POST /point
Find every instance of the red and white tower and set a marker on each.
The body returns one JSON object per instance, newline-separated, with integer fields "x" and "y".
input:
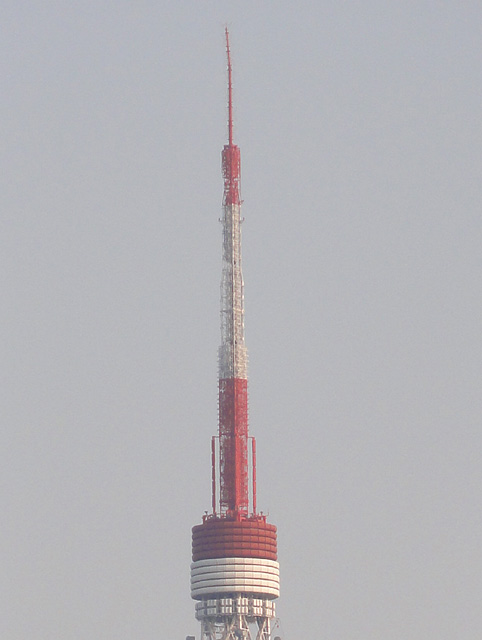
{"x": 234, "y": 570}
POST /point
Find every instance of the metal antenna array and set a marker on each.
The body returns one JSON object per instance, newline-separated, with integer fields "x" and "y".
{"x": 234, "y": 570}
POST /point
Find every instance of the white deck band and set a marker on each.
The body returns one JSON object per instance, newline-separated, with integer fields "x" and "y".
{"x": 255, "y": 563}
{"x": 235, "y": 575}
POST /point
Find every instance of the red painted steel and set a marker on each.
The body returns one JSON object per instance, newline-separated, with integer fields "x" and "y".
{"x": 253, "y": 445}
{"x": 233, "y": 441}
{"x": 231, "y": 163}
{"x": 213, "y": 472}
{"x": 258, "y": 545}
{"x": 231, "y": 156}
{"x": 222, "y": 538}
{"x": 217, "y": 526}
{"x": 234, "y": 553}
{"x": 201, "y": 541}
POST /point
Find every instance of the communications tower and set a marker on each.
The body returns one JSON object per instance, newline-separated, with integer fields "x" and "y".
{"x": 234, "y": 570}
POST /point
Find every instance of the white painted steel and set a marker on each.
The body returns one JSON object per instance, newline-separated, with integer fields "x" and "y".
{"x": 239, "y": 580}
{"x": 251, "y": 607}
{"x": 266, "y": 590}
{"x": 247, "y": 562}
{"x": 240, "y": 586}
{"x": 234, "y": 575}
{"x": 260, "y": 588}
{"x": 247, "y": 575}
{"x": 234, "y": 569}
{"x": 233, "y": 359}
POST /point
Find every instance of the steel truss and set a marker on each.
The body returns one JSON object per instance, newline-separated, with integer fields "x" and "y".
{"x": 235, "y": 627}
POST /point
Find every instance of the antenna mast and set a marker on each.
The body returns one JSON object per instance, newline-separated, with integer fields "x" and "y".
{"x": 234, "y": 573}
{"x": 230, "y": 91}
{"x": 231, "y": 156}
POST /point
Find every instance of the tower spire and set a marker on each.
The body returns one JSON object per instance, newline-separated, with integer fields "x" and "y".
{"x": 230, "y": 91}
{"x": 231, "y": 154}
{"x": 233, "y": 377}
{"x": 235, "y": 572}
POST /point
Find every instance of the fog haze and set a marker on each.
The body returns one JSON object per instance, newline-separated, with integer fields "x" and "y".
{"x": 359, "y": 125}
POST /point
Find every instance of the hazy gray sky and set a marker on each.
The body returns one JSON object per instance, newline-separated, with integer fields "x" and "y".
{"x": 360, "y": 131}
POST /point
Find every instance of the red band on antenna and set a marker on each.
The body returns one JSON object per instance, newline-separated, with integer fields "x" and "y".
{"x": 231, "y": 157}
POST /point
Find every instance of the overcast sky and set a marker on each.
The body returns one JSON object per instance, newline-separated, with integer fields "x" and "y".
{"x": 359, "y": 124}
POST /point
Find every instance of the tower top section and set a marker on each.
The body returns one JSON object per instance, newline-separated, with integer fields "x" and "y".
{"x": 231, "y": 156}
{"x": 234, "y": 570}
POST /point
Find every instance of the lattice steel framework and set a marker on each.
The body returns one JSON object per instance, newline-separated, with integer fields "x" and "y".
{"x": 234, "y": 573}
{"x": 233, "y": 373}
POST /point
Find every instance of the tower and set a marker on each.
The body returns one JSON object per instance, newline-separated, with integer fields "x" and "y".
{"x": 234, "y": 570}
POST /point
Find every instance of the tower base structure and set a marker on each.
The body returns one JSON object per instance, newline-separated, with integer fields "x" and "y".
{"x": 239, "y": 617}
